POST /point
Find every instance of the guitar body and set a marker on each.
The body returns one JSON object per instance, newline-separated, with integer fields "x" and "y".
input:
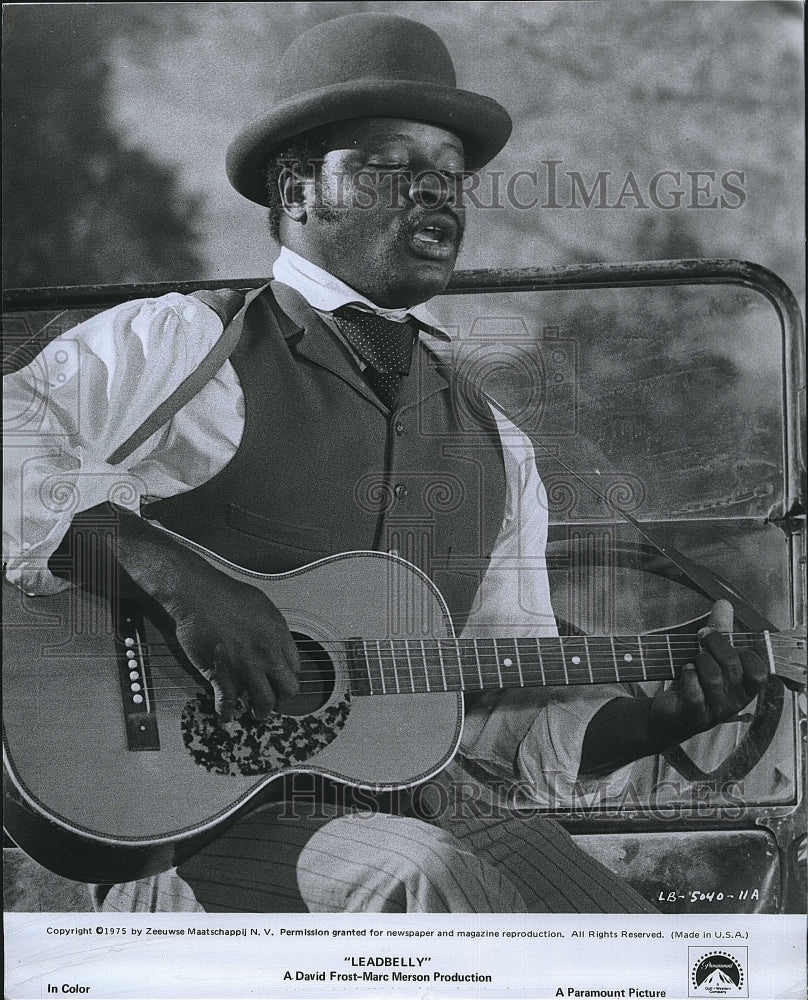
{"x": 97, "y": 792}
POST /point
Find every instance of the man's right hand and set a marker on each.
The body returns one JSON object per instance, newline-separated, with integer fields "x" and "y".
{"x": 238, "y": 640}
{"x": 230, "y": 631}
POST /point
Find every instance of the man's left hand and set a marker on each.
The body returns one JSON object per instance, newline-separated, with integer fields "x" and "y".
{"x": 721, "y": 682}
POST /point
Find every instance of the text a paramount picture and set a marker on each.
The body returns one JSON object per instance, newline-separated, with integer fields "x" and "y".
{"x": 404, "y": 515}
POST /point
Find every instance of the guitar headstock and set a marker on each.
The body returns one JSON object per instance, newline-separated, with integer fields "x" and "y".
{"x": 789, "y": 650}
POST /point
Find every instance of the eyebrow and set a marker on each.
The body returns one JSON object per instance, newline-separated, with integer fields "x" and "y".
{"x": 446, "y": 144}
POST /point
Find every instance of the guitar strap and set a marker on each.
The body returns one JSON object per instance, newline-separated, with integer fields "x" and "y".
{"x": 770, "y": 700}
{"x": 706, "y": 581}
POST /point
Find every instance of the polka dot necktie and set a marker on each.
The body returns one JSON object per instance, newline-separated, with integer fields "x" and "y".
{"x": 384, "y": 345}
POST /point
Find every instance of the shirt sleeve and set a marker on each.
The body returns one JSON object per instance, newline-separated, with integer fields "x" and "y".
{"x": 549, "y": 755}
{"x": 68, "y": 410}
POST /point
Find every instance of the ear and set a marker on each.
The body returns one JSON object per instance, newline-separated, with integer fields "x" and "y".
{"x": 295, "y": 194}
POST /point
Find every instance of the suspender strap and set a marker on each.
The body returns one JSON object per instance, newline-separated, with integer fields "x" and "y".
{"x": 227, "y": 303}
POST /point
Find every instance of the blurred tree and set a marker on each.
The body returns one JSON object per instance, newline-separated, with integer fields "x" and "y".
{"x": 80, "y": 206}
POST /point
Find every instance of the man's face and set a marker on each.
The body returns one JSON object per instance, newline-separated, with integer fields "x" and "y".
{"x": 386, "y": 216}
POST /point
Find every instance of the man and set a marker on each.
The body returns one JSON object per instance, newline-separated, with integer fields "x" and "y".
{"x": 329, "y": 428}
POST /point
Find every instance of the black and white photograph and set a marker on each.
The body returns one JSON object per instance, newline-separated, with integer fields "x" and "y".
{"x": 404, "y": 517}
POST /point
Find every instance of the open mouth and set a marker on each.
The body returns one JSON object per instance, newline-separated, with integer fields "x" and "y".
{"x": 434, "y": 238}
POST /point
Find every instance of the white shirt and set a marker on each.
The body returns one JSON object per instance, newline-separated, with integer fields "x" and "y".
{"x": 92, "y": 387}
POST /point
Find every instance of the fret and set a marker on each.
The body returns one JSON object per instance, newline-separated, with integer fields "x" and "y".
{"x": 409, "y": 666}
{"x": 601, "y": 659}
{"x": 588, "y": 659}
{"x": 564, "y": 659}
{"x": 554, "y": 665}
{"x": 670, "y": 655}
{"x": 381, "y": 665}
{"x": 541, "y": 661}
{"x": 442, "y": 671}
{"x": 395, "y": 666}
{"x": 453, "y": 668}
{"x": 479, "y": 667}
{"x": 518, "y": 663}
{"x": 642, "y": 659}
{"x": 496, "y": 660}
{"x": 614, "y": 659}
{"x": 577, "y": 663}
{"x": 767, "y": 638}
{"x": 630, "y": 669}
{"x": 423, "y": 660}
{"x": 367, "y": 664}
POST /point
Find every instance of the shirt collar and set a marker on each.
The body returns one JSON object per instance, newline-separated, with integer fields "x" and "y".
{"x": 325, "y": 293}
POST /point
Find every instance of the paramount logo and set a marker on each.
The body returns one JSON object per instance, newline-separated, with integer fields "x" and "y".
{"x": 718, "y": 972}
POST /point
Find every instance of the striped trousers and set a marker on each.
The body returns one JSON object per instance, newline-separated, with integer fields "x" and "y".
{"x": 317, "y": 859}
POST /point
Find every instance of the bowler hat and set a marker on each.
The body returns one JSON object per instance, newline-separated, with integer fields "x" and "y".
{"x": 365, "y": 66}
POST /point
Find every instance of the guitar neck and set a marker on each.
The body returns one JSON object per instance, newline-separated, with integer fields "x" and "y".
{"x": 405, "y": 666}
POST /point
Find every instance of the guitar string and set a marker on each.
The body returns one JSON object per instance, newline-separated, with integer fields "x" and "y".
{"x": 527, "y": 658}
{"x": 591, "y": 658}
{"x": 647, "y": 642}
{"x": 418, "y": 683}
{"x": 548, "y": 656}
{"x": 631, "y": 673}
{"x": 603, "y": 658}
{"x": 178, "y": 696}
{"x": 551, "y": 663}
{"x": 170, "y": 697}
{"x": 603, "y": 674}
{"x": 509, "y": 646}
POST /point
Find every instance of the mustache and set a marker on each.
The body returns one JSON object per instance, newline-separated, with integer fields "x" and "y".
{"x": 447, "y": 220}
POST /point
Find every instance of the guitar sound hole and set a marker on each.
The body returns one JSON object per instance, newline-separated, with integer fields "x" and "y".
{"x": 316, "y": 679}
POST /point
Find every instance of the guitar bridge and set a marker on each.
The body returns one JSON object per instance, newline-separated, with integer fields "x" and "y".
{"x": 134, "y": 675}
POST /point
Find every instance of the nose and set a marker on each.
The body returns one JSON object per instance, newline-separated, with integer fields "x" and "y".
{"x": 432, "y": 189}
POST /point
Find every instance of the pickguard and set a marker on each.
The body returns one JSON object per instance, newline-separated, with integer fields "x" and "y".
{"x": 248, "y": 746}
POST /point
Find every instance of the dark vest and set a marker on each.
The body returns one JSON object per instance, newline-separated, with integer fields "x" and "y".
{"x": 323, "y": 467}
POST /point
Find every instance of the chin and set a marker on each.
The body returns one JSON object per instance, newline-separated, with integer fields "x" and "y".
{"x": 421, "y": 283}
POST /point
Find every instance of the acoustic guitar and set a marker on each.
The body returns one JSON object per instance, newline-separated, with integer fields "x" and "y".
{"x": 115, "y": 766}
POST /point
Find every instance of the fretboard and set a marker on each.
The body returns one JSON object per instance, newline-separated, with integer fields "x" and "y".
{"x": 406, "y": 666}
